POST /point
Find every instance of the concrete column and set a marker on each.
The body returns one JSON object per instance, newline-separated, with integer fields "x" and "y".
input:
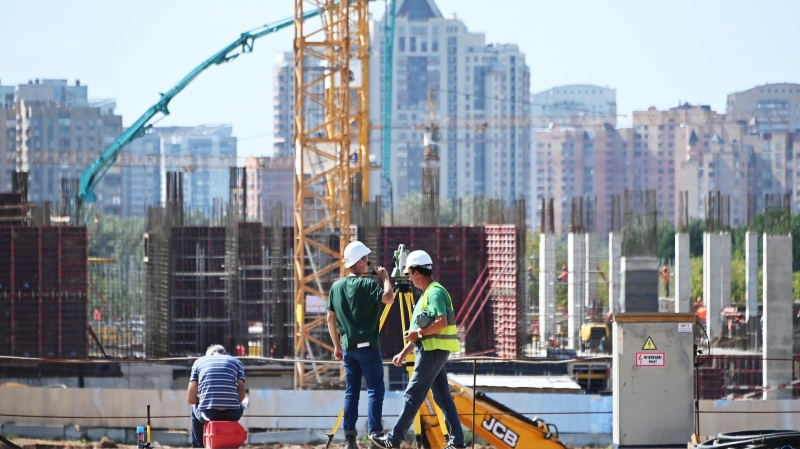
{"x": 547, "y": 286}
{"x": 614, "y": 259}
{"x": 751, "y": 288}
{"x": 683, "y": 274}
{"x": 712, "y": 285}
{"x": 751, "y": 275}
{"x": 777, "y": 285}
{"x": 590, "y": 289}
{"x": 639, "y": 284}
{"x": 576, "y": 258}
{"x": 725, "y": 269}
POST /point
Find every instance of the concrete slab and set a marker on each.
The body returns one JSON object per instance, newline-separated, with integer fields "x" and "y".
{"x": 778, "y": 327}
{"x": 614, "y": 260}
{"x": 576, "y": 258}
{"x": 639, "y": 284}
{"x": 683, "y": 274}
{"x": 590, "y": 263}
{"x": 547, "y": 287}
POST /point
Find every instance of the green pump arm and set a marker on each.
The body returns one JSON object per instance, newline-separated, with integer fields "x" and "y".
{"x": 94, "y": 174}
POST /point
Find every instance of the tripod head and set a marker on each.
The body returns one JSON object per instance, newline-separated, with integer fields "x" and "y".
{"x": 400, "y": 265}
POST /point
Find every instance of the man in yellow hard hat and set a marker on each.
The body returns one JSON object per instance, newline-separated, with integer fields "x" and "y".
{"x": 433, "y": 334}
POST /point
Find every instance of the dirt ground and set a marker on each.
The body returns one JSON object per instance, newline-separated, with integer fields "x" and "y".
{"x": 49, "y": 444}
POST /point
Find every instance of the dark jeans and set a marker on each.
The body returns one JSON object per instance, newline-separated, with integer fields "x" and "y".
{"x": 201, "y": 417}
{"x": 429, "y": 374}
{"x": 366, "y": 362}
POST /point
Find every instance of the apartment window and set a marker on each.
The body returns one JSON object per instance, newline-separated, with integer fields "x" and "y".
{"x": 401, "y": 44}
{"x": 423, "y": 46}
{"x": 435, "y": 45}
{"x": 412, "y": 44}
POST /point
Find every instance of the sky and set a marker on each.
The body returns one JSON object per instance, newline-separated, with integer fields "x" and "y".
{"x": 653, "y": 53}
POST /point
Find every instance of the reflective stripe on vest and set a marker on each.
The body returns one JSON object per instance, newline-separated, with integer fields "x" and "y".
{"x": 447, "y": 338}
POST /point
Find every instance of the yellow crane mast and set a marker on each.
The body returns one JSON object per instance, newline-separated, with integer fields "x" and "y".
{"x": 331, "y": 147}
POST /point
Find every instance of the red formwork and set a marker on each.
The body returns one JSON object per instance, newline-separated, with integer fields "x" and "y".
{"x": 43, "y": 297}
{"x": 459, "y": 254}
{"x": 502, "y": 241}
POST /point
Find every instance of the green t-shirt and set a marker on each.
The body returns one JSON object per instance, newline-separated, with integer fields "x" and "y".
{"x": 356, "y": 302}
{"x": 438, "y": 303}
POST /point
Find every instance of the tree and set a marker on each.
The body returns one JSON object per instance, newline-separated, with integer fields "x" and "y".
{"x": 696, "y": 230}
{"x": 666, "y": 240}
{"x": 697, "y": 276}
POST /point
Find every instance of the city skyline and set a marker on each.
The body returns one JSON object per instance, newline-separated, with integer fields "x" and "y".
{"x": 618, "y": 46}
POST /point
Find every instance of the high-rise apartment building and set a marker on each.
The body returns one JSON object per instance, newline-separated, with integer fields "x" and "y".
{"x": 775, "y": 107}
{"x": 574, "y": 105}
{"x": 202, "y": 182}
{"x": 473, "y": 82}
{"x": 141, "y": 184}
{"x": 591, "y": 162}
{"x": 51, "y": 130}
{"x": 283, "y": 106}
{"x": 270, "y": 180}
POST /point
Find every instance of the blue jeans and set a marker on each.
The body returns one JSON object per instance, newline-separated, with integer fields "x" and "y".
{"x": 366, "y": 362}
{"x": 429, "y": 374}
{"x": 201, "y": 417}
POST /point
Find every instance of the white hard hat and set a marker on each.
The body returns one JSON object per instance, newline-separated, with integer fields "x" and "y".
{"x": 353, "y": 252}
{"x": 418, "y": 258}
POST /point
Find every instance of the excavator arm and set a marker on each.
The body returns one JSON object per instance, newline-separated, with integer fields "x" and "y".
{"x": 500, "y": 426}
{"x": 92, "y": 176}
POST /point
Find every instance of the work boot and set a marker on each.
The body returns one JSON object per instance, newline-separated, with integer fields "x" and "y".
{"x": 350, "y": 442}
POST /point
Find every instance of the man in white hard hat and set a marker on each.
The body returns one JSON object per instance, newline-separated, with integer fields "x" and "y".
{"x": 433, "y": 334}
{"x": 353, "y": 323}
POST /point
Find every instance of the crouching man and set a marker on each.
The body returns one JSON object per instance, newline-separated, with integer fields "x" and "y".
{"x": 216, "y": 390}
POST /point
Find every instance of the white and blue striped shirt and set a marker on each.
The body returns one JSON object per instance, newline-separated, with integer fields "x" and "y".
{"x": 217, "y": 378}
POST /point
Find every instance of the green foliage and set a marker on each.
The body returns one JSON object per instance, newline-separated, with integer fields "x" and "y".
{"x": 666, "y": 240}
{"x": 697, "y": 277}
{"x": 602, "y": 286}
{"x": 696, "y": 229}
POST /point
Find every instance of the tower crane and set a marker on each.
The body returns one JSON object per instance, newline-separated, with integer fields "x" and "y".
{"x": 331, "y": 70}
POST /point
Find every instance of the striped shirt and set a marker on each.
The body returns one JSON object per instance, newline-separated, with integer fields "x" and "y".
{"x": 217, "y": 378}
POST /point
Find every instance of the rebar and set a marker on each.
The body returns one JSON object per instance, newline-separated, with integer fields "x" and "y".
{"x": 640, "y": 217}
{"x": 778, "y": 214}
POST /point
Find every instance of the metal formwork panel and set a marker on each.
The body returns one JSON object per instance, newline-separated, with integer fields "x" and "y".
{"x": 43, "y": 291}
{"x": 502, "y": 260}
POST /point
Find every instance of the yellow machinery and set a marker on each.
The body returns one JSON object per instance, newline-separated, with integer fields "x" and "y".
{"x": 595, "y": 334}
{"x": 500, "y": 426}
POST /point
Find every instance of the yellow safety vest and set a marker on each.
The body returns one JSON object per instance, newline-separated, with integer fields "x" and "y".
{"x": 447, "y": 338}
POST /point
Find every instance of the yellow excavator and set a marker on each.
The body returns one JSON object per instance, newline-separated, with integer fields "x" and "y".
{"x": 498, "y": 425}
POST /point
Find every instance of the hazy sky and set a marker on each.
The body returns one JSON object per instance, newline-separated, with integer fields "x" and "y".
{"x": 653, "y": 53}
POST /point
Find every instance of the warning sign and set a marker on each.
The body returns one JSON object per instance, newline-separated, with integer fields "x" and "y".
{"x": 654, "y": 359}
{"x": 649, "y": 345}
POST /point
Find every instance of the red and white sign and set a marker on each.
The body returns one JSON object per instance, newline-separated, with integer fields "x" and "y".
{"x": 653, "y": 359}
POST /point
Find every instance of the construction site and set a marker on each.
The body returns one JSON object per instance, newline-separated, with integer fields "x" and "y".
{"x": 566, "y": 341}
